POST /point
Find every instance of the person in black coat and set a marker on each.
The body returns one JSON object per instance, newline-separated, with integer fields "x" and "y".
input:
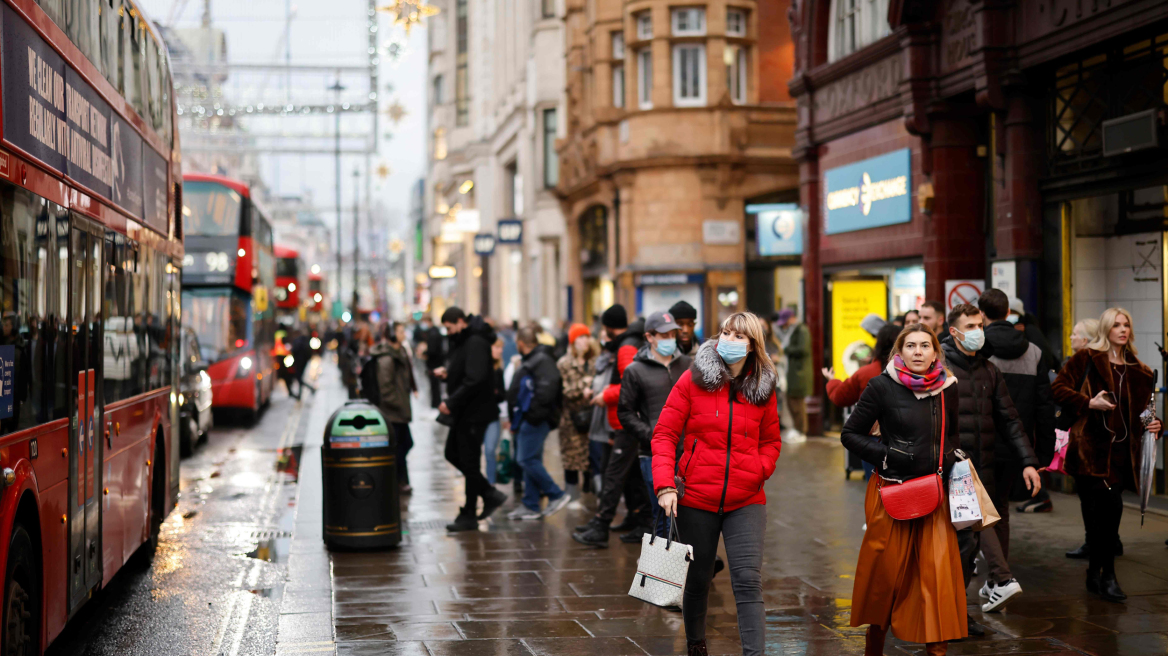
{"x": 533, "y": 401}
{"x": 985, "y": 412}
{"x": 470, "y": 404}
{"x": 435, "y": 358}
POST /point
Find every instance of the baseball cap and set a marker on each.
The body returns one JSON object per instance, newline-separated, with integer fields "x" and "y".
{"x": 660, "y": 322}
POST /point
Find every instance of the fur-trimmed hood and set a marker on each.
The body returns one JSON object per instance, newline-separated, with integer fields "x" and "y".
{"x": 710, "y": 373}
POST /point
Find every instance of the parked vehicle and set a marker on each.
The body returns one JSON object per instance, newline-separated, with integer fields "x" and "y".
{"x": 194, "y": 396}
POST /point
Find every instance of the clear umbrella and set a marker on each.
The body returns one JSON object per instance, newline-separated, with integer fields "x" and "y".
{"x": 1148, "y": 451}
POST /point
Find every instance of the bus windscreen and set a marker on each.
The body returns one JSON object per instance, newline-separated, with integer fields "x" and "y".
{"x": 220, "y": 318}
{"x": 211, "y": 210}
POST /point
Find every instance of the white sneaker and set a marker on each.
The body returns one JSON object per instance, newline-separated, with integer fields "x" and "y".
{"x": 522, "y": 512}
{"x": 1001, "y": 594}
{"x": 556, "y": 506}
{"x": 986, "y": 590}
{"x": 794, "y": 437}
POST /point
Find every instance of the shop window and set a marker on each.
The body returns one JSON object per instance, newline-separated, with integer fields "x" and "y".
{"x": 690, "y": 21}
{"x": 735, "y": 60}
{"x": 645, "y": 78}
{"x": 855, "y": 25}
{"x": 644, "y": 26}
{"x": 735, "y": 22}
{"x": 689, "y": 75}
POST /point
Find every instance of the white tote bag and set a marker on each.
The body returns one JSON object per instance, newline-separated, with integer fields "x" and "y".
{"x": 661, "y": 569}
{"x": 964, "y": 509}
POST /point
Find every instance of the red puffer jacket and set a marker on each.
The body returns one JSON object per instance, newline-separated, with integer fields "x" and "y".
{"x": 730, "y": 448}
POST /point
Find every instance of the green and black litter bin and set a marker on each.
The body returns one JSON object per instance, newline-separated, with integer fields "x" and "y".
{"x": 361, "y": 505}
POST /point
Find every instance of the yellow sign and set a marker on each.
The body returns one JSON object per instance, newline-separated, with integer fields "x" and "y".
{"x": 260, "y": 294}
{"x": 851, "y": 301}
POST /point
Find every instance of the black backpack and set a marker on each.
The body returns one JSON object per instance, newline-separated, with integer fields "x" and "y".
{"x": 370, "y": 388}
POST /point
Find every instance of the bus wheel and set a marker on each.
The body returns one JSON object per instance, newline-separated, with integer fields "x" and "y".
{"x": 22, "y": 628}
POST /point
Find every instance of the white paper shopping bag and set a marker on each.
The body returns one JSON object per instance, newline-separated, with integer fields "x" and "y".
{"x": 964, "y": 510}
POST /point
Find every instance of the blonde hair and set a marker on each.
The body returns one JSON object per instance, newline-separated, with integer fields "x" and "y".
{"x": 750, "y": 325}
{"x": 498, "y": 362}
{"x": 1100, "y": 342}
{"x": 1088, "y": 328}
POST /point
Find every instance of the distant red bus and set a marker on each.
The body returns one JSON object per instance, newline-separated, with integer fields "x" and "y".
{"x": 316, "y": 292}
{"x": 291, "y": 284}
{"x": 228, "y": 283}
{"x": 90, "y": 265}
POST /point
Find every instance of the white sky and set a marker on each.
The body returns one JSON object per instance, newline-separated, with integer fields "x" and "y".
{"x": 325, "y": 32}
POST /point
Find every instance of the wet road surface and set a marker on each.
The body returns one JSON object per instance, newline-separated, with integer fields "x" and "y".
{"x": 526, "y": 588}
{"x": 215, "y": 585}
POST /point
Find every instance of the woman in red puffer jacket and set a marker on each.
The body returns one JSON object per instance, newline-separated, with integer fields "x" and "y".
{"x": 724, "y": 408}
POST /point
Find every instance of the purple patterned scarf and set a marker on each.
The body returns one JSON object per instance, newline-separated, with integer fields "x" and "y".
{"x": 930, "y": 381}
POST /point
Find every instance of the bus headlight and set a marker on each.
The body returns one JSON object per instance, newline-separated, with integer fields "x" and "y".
{"x": 245, "y": 363}
{"x": 317, "y": 297}
{"x": 314, "y": 343}
{"x": 289, "y": 361}
{"x": 182, "y": 400}
{"x": 291, "y": 286}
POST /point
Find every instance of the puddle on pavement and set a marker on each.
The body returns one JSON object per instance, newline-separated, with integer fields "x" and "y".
{"x": 273, "y": 542}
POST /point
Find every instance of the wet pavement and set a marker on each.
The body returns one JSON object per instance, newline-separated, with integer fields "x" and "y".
{"x": 216, "y": 583}
{"x": 526, "y": 588}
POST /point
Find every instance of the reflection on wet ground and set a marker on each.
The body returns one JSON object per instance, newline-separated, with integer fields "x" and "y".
{"x": 527, "y": 588}
{"x": 216, "y": 583}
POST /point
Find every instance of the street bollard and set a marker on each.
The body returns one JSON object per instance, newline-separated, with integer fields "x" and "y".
{"x": 361, "y": 504}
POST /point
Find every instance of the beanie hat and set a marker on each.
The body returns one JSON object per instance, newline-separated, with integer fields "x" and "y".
{"x": 615, "y": 317}
{"x": 577, "y": 330}
{"x": 683, "y": 310}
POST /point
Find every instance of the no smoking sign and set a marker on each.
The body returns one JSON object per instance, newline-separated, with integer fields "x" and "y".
{"x": 962, "y": 291}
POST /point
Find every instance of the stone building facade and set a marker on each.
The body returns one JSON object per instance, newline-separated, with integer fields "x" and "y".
{"x": 1024, "y": 140}
{"x": 496, "y": 92}
{"x": 670, "y": 132}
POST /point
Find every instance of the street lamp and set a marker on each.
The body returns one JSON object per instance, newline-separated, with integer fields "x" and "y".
{"x": 356, "y": 237}
{"x": 338, "y": 88}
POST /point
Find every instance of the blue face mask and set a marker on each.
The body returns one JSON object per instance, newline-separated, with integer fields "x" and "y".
{"x": 731, "y": 352}
{"x": 666, "y": 347}
{"x": 974, "y": 340}
{"x": 1013, "y": 318}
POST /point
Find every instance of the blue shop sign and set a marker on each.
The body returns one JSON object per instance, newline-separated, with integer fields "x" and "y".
{"x": 780, "y": 228}
{"x": 484, "y": 243}
{"x": 868, "y": 194}
{"x": 510, "y": 231}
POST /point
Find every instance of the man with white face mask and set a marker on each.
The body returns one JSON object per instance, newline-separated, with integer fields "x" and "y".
{"x": 985, "y": 411}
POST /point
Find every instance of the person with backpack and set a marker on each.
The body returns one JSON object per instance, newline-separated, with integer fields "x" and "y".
{"x": 387, "y": 380}
{"x": 534, "y": 403}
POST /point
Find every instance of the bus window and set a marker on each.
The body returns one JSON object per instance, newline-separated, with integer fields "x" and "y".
{"x": 121, "y": 344}
{"x": 153, "y": 83}
{"x": 33, "y": 284}
{"x": 110, "y": 38}
{"x": 210, "y": 209}
{"x": 131, "y": 59}
{"x": 219, "y": 318}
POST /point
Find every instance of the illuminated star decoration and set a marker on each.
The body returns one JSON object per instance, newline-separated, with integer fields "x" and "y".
{"x": 395, "y": 112}
{"x": 383, "y": 171}
{"x": 394, "y": 49}
{"x": 408, "y": 13}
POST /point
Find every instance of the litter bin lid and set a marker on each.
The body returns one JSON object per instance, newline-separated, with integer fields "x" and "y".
{"x": 359, "y": 426}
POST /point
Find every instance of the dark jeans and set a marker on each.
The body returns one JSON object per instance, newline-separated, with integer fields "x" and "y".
{"x": 996, "y": 547}
{"x": 529, "y": 439}
{"x": 404, "y": 442}
{"x": 1102, "y": 510}
{"x": 464, "y": 450}
{"x": 743, "y": 531}
{"x": 660, "y": 521}
{"x": 622, "y": 474}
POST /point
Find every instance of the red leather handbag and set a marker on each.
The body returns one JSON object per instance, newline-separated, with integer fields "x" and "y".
{"x": 919, "y": 496}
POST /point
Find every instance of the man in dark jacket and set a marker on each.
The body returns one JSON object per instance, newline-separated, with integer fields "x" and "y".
{"x": 645, "y": 387}
{"x": 471, "y": 405}
{"x": 395, "y": 383}
{"x": 1028, "y": 379}
{"x": 622, "y": 473}
{"x": 534, "y": 403}
{"x": 985, "y": 413}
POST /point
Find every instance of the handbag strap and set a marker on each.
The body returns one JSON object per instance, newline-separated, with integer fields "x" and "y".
{"x": 941, "y": 457}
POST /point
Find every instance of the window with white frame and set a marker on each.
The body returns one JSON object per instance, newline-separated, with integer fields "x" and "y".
{"x": 645, "y": 78}
{"x": 644, "y": 26}
{"x": 735, "y": 59}
{"x": 689, "y": 21}
{"x": 689, "y": 75}
{"x": 854, "y": 25}
{"x": 618, "y": 85}
{"x": 735, "y": 22}
{"x": 618, "y": 45}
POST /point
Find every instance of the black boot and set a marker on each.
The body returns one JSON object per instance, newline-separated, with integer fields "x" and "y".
{"x": 595, "y": 535}
{"x": 975, "y": 630}
{"x": 1109, "y": 589}
{"x": 491, "y": 503}
{"x": 1092, "y": 582}
{"x": 1082, "y": 553}
{"x": 630, "y": 522}
{"x": 697, "y": 648}
{"x": 634, "y": 536}
{"x": 464, "y": 522}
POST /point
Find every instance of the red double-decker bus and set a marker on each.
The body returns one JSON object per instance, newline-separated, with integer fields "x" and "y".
{"x": 90, "y": 260}
{"x": 291, "y": 286}
{"x": 316, "y": 292}
{"x": 228, "y": 280}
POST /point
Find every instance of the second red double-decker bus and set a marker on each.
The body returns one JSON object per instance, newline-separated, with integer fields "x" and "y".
{"x": 90, "y": 256}
{"x": 291, "y": 286}
{"x": 228, "y": 277}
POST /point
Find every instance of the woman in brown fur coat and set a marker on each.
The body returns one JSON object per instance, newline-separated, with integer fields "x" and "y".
{"x": 1108, "y": 388}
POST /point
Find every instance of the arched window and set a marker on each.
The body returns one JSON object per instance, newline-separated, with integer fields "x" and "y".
{"x": 855, "y": 24}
